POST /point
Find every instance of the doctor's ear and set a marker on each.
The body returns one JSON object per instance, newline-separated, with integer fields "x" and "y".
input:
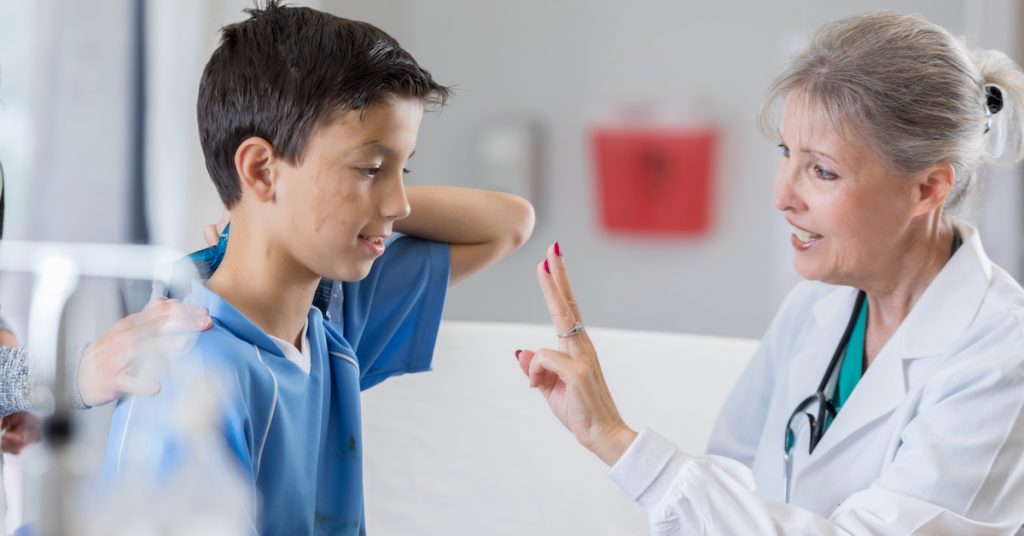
{"x": 254, "y": 163}
{"x": 932, "y": 187}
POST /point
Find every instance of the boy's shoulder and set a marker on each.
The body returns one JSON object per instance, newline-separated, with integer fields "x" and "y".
{"x": 220, "y": 345}
{"x": 233, "y": 341}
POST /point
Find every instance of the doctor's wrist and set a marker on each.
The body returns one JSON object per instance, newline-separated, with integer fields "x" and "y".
{"x": 611, "y": 445}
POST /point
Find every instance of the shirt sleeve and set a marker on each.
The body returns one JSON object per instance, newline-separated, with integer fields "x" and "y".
{"x": 392, "y": 316}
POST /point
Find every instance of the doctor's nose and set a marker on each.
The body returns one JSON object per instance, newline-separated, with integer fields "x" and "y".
{"x": 785, "y": 195}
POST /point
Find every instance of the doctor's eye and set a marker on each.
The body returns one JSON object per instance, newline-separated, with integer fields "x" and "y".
{"x": 785, "y": 150}
{"x": 406, "y": 171}
{"x": 824, "y": 174}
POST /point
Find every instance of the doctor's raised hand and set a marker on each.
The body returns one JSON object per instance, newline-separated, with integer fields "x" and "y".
{"x": 887, "y": 395}
{"x": 570, "y": 378}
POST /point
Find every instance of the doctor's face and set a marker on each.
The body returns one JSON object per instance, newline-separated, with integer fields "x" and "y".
{"x": 847, "y": 212}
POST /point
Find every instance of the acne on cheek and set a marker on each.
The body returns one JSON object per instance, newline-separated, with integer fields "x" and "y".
{"x": 331, "y": 207}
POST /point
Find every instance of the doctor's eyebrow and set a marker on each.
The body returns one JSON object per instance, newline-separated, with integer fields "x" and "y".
{"x": 819, "y": 153}
{"x": 806, "y": 150}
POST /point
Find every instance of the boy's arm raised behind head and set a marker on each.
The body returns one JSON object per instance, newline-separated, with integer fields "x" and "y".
{"x": 480, "y": 226}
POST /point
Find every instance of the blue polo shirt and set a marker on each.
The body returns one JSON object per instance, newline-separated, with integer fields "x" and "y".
{"x": 296, "y": 436}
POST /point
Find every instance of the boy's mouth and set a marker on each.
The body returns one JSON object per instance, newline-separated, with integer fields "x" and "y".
{"x": 374, "y": 243}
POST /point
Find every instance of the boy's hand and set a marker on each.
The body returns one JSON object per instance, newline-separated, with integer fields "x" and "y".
{"x": 105, "y": 373}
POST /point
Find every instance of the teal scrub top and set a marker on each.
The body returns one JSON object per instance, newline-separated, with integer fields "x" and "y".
{"x": 853, "y": 360}
{"x": 852, "y": 367}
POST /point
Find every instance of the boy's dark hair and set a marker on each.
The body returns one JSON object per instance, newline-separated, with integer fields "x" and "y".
{"x": 285, "y": 71}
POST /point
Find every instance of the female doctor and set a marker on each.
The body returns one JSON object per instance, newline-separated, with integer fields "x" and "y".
{"x": 886, "y": 396}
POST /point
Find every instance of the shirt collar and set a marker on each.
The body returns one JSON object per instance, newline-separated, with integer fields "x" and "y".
{"x": 234, "y": 321}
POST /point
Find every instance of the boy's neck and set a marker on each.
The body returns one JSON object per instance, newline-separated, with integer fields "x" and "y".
{"x": 273, "y": 291}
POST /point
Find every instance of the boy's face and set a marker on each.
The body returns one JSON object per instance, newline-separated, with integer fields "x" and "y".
{"x": 335, "y": 209}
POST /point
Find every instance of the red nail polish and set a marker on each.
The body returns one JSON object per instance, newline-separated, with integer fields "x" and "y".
{"x": 546, "y": 267}
{"x": 558, "y": 250}
{"x": 517, "y": 354}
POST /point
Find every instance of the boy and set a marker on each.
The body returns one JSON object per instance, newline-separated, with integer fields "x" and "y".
{"x": 307, "y": 122}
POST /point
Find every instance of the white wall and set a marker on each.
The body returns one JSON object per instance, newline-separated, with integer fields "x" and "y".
{"x": 560, "y": 61}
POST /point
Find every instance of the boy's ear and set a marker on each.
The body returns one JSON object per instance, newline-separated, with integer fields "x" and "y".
{"x": 254, "y": 162}
{"x": 932, "y": 188}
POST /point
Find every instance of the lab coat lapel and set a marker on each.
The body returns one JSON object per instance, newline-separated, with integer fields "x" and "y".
{"x": 830, "y": 313}
{"x": 942, "y": 313}
{"x": 879, "y": 391}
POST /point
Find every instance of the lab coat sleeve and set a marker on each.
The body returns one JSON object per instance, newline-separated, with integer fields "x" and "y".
{"x": 685, "y": 495}
{"x": 958, "y": 470}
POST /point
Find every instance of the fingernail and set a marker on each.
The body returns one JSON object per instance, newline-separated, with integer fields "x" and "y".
{"x": 558, "y": 250}
{"x": 517, "y": 354}
{"x": 546, "y": 267}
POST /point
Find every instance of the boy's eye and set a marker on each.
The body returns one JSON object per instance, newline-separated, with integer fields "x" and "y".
{"x": 369, "y": 172}
{"x": 785, "y": 150}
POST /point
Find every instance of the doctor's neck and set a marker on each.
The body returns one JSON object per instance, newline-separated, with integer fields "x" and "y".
{"x": 262, "y": 281}
{"x": 898, "y": 280}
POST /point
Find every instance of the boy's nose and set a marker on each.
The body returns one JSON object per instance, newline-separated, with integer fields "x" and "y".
{"x": 396, "y": 204}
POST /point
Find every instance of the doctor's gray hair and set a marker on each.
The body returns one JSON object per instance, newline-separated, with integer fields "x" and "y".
{"x": 914, "y": 92}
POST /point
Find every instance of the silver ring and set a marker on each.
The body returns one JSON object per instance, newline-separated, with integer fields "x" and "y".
{"x": 577, "y": 328}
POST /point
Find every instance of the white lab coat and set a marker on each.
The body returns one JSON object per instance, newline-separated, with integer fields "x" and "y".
{"x": 931, "y": 441}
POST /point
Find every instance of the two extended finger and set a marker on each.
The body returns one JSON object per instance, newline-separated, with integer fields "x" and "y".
{"x": 560, "y": 300}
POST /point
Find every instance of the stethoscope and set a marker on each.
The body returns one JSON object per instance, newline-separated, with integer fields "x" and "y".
{"x": 825, "y": 408}
{"x": 826, "y": 411}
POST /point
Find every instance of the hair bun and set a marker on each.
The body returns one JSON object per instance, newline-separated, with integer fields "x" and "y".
{"x": 993, "y": 99}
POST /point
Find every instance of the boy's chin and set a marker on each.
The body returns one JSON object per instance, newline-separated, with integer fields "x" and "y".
{"x": 352, "y": 272}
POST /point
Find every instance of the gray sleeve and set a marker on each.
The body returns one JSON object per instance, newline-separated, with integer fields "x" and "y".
{"x": 14, "y": 380}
